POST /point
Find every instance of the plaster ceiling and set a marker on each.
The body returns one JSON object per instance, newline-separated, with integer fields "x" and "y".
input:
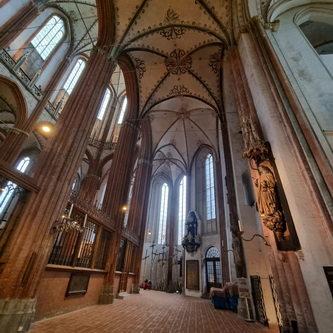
{"x": 177, "y": 48}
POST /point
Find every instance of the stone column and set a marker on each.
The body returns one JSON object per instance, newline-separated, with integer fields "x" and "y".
{"x": 116, "y": 197}
{"x": 26, "y": 251}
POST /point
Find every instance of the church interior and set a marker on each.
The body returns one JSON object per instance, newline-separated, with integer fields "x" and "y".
{"x": 180, "y": 146}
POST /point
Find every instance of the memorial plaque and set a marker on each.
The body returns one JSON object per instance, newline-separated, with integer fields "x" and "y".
{"x": 78, "y": 283}
{"x": 192, "y": 274}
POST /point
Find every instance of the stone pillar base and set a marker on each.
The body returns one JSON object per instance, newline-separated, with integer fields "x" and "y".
{"x": 107, "y": 295}
{"x": 16, "y": 315}
{"x": 135, "y": 288}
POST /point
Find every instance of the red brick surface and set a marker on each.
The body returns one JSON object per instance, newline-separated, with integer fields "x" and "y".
{"x": 149, "y": 311}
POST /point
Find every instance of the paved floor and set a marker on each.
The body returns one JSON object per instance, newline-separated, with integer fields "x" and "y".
{"x": 150, "y": 311}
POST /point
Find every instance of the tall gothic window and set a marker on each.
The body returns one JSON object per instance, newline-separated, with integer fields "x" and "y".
{"x": 205, "y": 191}
{"x": 104, "y": 104}
{"x": 210, "y": 188}
{"x": 181, "y": 210}
{"x": 49, "y": 37}
{"x": 74, "y": 76}
{"x": 122, "y": 112}
{"x": 10, "y": 190}
{"x": 163, "y": 214}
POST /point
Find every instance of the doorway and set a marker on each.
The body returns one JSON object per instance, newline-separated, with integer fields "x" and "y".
{"x": 213, "y": 268}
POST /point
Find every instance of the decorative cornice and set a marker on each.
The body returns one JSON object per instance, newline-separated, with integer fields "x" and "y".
{"x": 18, "y": 131}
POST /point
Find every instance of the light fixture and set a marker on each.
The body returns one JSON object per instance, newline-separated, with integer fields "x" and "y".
{"x": 124, "y": 208}
{"x": 149, "y": 233}
{"x": 68, "y": 224}
{"x": 46, "y": 129}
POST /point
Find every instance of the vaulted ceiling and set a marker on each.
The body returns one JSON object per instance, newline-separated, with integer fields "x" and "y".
{"x": 176, "y": 47}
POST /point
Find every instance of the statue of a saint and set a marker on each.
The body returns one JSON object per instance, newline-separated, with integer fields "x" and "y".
{"x": 268, "y": 201}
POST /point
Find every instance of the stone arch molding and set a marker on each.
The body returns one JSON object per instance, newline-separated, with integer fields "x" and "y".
{"x": 11, "y": 93}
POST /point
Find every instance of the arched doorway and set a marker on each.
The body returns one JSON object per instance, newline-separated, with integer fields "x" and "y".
{"x": 213, "y": 268}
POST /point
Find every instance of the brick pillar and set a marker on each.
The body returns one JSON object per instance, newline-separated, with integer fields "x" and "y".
{"x": 91, "y": 182}
{"x": 89, "y": 187}
{"x": 221, "y": 218}
{"x": 137, "y": 218}
{"x": 26, "y": 251}
{"x": 116, "y": 197}
{"x": 14, "y": 27}
{"x": 172, "y": 241}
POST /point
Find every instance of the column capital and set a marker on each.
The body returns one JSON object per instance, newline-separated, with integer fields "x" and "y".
{"x": 18, "y": 131}
{"x": 90, "y": 175}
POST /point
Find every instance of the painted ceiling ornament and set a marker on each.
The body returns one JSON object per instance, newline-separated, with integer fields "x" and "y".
{"x": 140, "y": 67}
{"x": 191, "y": 240}
{"x": 178, "y": 62}
{"x": 183, "y": 113}
{"x": 179, "y": 90}
{"x": 172, "y": 18}
{"x": 268, "y": 202}
{"x": 215, "y": 62}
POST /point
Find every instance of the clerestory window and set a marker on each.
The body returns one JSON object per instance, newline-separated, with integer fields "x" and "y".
{"x": 104, "y": 104}
{"x": 49, "y": 37}
{"x": 74, "y": 76}
{"x": 122, "y": 112}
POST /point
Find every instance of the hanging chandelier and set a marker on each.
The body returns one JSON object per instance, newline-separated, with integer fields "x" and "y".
{"x": 68, "y": 224}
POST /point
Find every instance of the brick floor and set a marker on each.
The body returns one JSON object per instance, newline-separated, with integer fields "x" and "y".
{"x": 150, "y": 311}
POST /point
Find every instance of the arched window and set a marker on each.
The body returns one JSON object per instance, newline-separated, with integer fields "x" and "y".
{"x": 104, "y": 104}
{"x": 23, "y": 164}
{"x": 210, "y": 188}
{"x": 205, "y": 191}
{"x": 74, "y": 76}
{"x": 163, "y": 214}
{"x": 181, "y": 210}
{"x": 11, "y": 190}
{"x": 49, "y": 37}
{"x": 122, "y": 112}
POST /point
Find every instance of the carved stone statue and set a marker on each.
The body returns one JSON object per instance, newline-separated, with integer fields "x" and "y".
{"x": 268, "y": 204}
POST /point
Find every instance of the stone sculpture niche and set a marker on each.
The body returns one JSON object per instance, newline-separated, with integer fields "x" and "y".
{"x": 256, "y": 151}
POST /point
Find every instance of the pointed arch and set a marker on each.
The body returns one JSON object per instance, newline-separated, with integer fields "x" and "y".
{"x": 13, "y": 95}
